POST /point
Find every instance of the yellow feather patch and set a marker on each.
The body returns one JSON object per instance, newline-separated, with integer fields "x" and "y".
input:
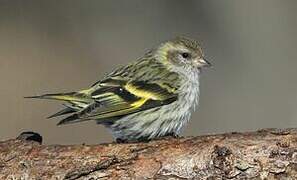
{"x": 142, "y": 93}
{"x": 139, "y": 102}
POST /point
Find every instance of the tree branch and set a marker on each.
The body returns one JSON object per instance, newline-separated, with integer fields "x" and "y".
{"x": 265, "y": 154}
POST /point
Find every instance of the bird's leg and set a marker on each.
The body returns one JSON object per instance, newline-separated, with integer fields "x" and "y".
{"x": 140, "y": 140}
{"x": 169, "y": 135}
{"x": 144, "y": 140}
{"x": 172, "y": 134}
{"x": 121, "y": 141}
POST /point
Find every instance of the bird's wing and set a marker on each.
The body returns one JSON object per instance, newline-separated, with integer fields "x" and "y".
{"x": 116, "y": 100}
{"x": 125, "y": 92}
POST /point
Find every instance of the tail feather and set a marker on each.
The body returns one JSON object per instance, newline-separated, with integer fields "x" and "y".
{"x": 70, "y": 119}
{"x": 52, "y": 96}
{"x": 64, "y": 111}
{"x": 76, "y": 102}
{"x": 71, "y": 96}
{"x": 74, "y": 118}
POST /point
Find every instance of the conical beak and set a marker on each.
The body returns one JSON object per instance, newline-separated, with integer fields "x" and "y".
{"x": 205, "y": 63}
{"x": 199, "y": 63}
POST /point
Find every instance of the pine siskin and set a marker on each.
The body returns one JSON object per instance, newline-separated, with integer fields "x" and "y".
{"x": 146, "y": 99}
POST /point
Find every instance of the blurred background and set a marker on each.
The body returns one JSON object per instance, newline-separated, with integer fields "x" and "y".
{"x": 60, "y": 46}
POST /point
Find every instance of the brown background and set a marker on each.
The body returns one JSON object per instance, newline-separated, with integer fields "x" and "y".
{"x": 59, "y": 46}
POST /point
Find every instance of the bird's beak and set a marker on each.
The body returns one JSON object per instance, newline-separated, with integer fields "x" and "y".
{"x": 202, "y": 63}
{"x": 205, "y": 63}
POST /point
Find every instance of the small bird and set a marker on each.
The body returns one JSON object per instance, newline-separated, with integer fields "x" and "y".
{"x": 146, "y": 99}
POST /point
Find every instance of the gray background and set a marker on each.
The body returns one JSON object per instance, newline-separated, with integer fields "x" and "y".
{"x": 60, "y": 46}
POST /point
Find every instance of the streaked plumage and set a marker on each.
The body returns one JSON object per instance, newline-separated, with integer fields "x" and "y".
{"x": 151, "y": 97}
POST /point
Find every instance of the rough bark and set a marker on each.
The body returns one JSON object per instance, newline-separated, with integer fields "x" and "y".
{"x": 265, "y": 154}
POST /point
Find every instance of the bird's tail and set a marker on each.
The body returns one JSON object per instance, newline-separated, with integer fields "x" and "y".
{"x": 66, "y": 110}
{"x": 71, "y": 96}
{"x": 76, "y": 100}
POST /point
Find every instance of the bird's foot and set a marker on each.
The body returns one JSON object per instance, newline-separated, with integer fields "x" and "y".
{"x": 169, "y": 136}
{"x": 140, "y": 140}
{"x": 172, "y": 134}
{"x": 121, "y": 141}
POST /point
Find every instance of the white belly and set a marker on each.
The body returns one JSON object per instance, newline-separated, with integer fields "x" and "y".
{"x": 160, "y": 121}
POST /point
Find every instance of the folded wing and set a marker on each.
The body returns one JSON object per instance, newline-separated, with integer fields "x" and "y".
{"x": 116, "y": 98}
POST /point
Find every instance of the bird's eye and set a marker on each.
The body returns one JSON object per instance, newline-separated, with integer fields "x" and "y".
{"x": 185, "y": 55}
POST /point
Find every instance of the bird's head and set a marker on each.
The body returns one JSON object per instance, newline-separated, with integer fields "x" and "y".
{"x": 182, "y": 52}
